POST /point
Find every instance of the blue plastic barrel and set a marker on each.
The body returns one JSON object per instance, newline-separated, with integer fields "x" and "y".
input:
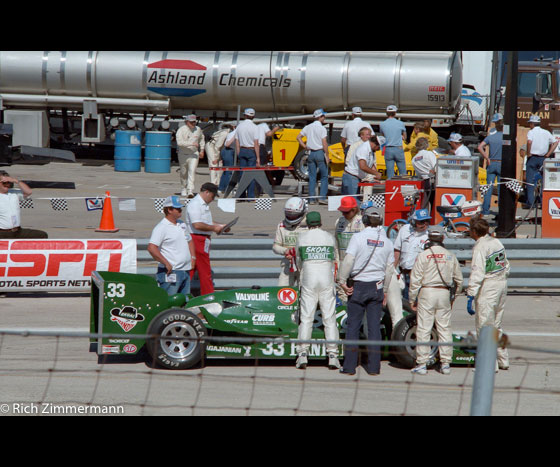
{"x": 128, "y": 150}
{"x": 158, "y": 152}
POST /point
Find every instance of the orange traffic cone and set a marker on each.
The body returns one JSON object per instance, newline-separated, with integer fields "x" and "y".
{"x": 107, "y": 224}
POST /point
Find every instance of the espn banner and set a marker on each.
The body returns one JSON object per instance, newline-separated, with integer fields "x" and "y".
{"x": 61, "y": 265}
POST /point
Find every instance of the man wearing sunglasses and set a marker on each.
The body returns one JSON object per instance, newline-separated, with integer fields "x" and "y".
{"x": 172, "y": 246}
{"x": 10, "y": 218}
{"x": 410, "y": 242}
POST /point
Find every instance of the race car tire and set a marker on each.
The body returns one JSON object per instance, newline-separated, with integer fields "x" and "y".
{"x": 301, "y": 171}
{"x": 171, "y": 350}
{"x": 405, "y": 331}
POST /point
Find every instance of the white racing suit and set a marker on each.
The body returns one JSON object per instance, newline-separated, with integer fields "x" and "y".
{"x": 344, "y": 229}
{"x": 212, "y": 150}
{"x": 190, "y": 144}
{"x": 488, "y": 284}
{"x": 434, "y": 303}
{"x": 286, "y": 238}
{"x": 316, "y": 258}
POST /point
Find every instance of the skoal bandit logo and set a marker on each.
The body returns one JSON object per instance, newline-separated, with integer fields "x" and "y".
{"x": 127, "y": 317}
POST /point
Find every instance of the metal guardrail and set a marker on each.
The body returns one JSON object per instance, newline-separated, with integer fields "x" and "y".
{"x": 245, "y": 252}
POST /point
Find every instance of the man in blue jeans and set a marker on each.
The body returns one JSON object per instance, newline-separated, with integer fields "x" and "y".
{"x": 394, "y": 132}
{"x": 247, "y": 145}
{"x": 491, "y": 150}
{"x": 172, "y": 246}
{"x": 318, "y": 159}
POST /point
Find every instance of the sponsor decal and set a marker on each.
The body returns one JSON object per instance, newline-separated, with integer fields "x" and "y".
{"x": 287, "y": 296}
{"x": 126, "y": 317}
{"x": 253, "y": 297}
{"x": 264, "y": 319}
{"x": 129, "y": 348}
{"x": 236, "y": 321}
{"x": 452, "y": 199}
{"x": 224, "y": 349}
{"x": 554, "y": 207}
{"x": 110, "y": 349}
{"x": 320, "y": 253}
{"x": 62, "y": 264}
{"x": 436, "y": 88}
{"x": 372, "y": 242}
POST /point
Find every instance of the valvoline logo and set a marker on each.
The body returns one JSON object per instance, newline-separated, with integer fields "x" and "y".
{"x": 452, "y": 199}
{"x": 178, "y": 78}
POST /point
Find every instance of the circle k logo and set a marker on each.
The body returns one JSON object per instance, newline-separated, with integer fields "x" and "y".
{"x": 287, "y": 296}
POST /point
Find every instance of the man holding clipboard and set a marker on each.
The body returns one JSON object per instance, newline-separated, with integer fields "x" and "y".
{"x": 201, "y": 226}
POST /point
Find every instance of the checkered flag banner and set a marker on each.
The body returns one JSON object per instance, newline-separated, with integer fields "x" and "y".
{"x": 263, "y": 204}
{"x": 59, "y": 204}
{"x": 158, "y": 204}
{"x": 515, "y": 186}
{"x": 26, "y": 203}
{"x": 378, "y": 199}
{"x": 484, "y": 189}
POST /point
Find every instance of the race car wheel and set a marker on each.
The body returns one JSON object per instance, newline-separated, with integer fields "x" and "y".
{"x": 301, "y": 172}
{"x": 179, "y": 346}
{"x": 405, "y": 331}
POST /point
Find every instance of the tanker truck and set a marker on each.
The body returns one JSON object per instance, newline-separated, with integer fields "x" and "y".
{"x": 76, "y": 100}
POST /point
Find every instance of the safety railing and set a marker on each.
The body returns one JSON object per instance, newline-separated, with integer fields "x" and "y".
{"x": 247, "y": 262}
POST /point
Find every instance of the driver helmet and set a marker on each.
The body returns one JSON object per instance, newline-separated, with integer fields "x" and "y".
{"x": 294, "y": 211}
{"x": 471, "y": 208}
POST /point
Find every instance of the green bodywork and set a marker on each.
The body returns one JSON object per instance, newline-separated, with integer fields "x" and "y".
{"x": 123, "y": 305}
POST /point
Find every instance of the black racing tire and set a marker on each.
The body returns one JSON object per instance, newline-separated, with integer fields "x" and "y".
{"x": 176, "y": 354}
{"x": 301, "y": 172}
{"x": 405, "y": 331}
{"x": 394, "y": 227}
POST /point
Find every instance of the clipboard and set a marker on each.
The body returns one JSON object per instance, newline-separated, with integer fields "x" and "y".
{"x": 229, "y": 225}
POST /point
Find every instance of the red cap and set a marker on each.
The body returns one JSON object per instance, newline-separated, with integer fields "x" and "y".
{"x": 347, "y": 203}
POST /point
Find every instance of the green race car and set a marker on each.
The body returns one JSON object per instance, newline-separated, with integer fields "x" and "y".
{"x": 241, "y": 323}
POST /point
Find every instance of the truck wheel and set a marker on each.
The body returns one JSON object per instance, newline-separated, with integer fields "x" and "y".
{"x": 405, "y": 331}
{"x": 170, "y": 350}
{"x": 301, "y": 172}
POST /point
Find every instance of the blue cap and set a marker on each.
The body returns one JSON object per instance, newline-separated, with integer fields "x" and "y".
{"x": 173, "y": 202}
{"x": 422, "y": 215}
{"x": 497, "y": 117}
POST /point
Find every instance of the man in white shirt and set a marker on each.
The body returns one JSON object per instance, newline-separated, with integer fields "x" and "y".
{"x": 360, "y": 163}
{"x": 349, "y": 134}
{"x": 190, "y": 148}
{"x": 369, "y": 264}
{"x": 425, "y": 161}
{"x": 213, "y": 150}
{"x": 171, "y": 245}
{"x": 201, "y": 226}
{"x": 540, "y": 145}
{"x": 410, "y": 242}
{"x": 10, "y": 218}
{"x": 457, "y": 147}
{"x": 247, "y": 146}
{"x": 318, "y": 159}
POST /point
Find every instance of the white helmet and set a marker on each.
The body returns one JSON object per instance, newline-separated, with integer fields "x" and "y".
{"x": 471, "y": 208}
{"x": 294, "y": 210}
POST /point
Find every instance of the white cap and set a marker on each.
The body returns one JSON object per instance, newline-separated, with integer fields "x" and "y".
{"x": 191, "y": 118}
{"x": 250, "y": 112}
{"x": 173, "y": 202}
{"x": 497, "y": 117}
{"x": 392, "y": 108}
{"x": 319, "y": 113}
{"x": 455, "y": 138}
{"x": 534, "y": 119}
{"x": 356, "y": 110}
